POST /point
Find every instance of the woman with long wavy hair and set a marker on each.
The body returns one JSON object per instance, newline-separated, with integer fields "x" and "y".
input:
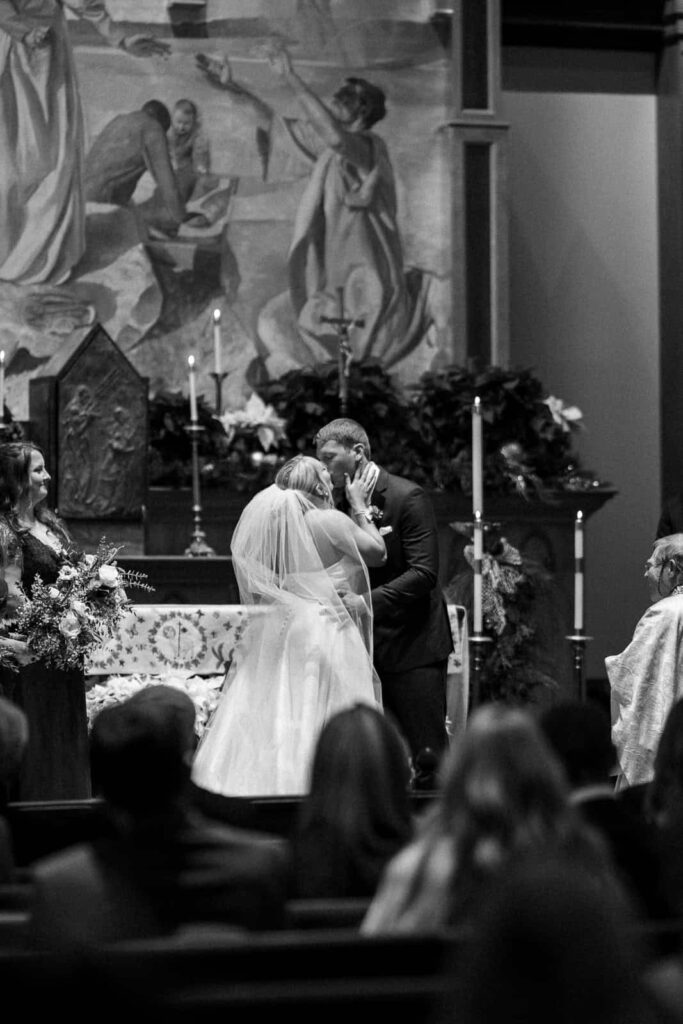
{"x": 357, "y": 813}
{"x": 34, "y": 542}
{"x": 503, "y": 795}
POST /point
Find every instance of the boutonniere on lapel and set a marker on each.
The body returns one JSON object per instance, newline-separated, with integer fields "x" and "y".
{"x": 376, "y": 513}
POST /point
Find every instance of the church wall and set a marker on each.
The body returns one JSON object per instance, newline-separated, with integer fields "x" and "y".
{"x": 584, "y": 294}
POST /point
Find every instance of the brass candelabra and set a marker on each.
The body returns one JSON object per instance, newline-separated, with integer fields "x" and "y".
{"x": 198, "y": 547}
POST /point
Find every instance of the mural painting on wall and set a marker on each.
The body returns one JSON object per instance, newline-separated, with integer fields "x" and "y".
{"x": 263, "y": 157}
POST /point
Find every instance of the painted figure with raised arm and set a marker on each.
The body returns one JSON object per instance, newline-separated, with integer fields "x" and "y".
{"x": 346, "y": 240}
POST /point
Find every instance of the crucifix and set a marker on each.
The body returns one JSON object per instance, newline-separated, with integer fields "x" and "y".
{"x": 342, "y": 324}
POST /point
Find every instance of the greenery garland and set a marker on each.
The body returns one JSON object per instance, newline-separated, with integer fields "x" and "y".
{"x": 422, "y": 432}
{"x": 513, "y": 587}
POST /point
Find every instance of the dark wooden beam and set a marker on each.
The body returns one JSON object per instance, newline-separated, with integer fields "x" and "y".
{"x": 611, "y": 25}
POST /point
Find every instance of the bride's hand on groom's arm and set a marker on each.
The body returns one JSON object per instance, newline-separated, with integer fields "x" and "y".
{"x": 353, "y": 603}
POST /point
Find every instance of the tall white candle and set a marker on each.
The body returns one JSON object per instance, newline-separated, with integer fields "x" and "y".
{"x": 477, "y": 590}
{"x": 217, "y": 355}
{"x": 578, "y": 572}
{"x": 193, "y": 390}
{"x": 477, "y": 459}
{"x": 2, "y": 386}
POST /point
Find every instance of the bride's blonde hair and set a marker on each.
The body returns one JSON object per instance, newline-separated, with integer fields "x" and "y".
{"x": 304, "y": 473}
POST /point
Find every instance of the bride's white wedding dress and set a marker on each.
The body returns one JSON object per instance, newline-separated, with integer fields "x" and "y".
{"x": 302, "y": 657}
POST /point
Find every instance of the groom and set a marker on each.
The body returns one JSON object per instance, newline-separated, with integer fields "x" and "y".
{"x": 412, "y": 634}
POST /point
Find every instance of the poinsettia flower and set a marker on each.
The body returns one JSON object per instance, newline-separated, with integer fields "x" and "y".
{"x": 258, "y": 418}
{"x": 566, "y": 416}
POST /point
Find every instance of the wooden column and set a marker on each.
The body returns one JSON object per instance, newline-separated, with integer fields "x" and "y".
{"x": 480, "y": 202}
{"x": 670, "y": 190}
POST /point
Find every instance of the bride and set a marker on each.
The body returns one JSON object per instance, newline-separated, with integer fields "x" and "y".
{"x": 306, "y": 652}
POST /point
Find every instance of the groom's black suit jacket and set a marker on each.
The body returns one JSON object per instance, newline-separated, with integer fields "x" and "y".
{"x": 411, "y": 626}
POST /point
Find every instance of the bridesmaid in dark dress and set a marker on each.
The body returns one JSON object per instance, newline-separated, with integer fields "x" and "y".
{"x": 34, "y": 541}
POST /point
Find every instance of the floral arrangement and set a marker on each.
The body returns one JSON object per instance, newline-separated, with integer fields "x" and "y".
{"x": 242, "y": 447}
{"x": 514, "y": 587}
{"x": 256, "y": 421}
{"x": 308, "y": 398}
{"x": 422, "y": 432}
{"x": 528, "y": 434}
{"x": 62, "y": 622}
{"x": 204, "y": 691}
{"x": 11, "y": 430}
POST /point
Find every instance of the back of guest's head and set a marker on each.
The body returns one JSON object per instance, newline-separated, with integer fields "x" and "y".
{"x": 159, "y": 111}
{"x": 361, "y": 768}
{"x": 357, "y": 811}
{"x": 13, "y": 741}
{"x": 549, "y": 945}
{"x": 343, "y": 431}
{"x": 15, "y": 464}
{"x": 139, "y": 756}
{"x": 581, "y": 736}
{"x": 502, "y": 780}
{"x": 304, "y": 473}
{"x": 177, "y": 705}
{"x": 664, "y": 798}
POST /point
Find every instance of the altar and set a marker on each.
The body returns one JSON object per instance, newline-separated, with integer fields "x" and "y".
{"x": 191, "y": 646}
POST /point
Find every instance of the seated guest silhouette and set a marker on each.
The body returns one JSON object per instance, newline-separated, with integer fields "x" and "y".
{"x": 647, "y": 677}
{"x": 579, "y": 733}
{"x": 13, "y": 743}
{"x": 357, "y": 813}
{"x": 663, "y": 806}
{"x": 503, "y": 796}
{"x": 549, "y": 946}
{"x": 164, "y": 866}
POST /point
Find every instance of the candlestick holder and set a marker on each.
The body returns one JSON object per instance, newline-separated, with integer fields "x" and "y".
{"x": 218, "y": 379}
{"x": 198, "y": 547}
{"x": 578, "y": 641}
{"x": 477, "y": 642}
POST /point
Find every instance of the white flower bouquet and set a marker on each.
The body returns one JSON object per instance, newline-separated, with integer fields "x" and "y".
{"x": 62, "y": 622}
{"x": 204, "y": 691}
